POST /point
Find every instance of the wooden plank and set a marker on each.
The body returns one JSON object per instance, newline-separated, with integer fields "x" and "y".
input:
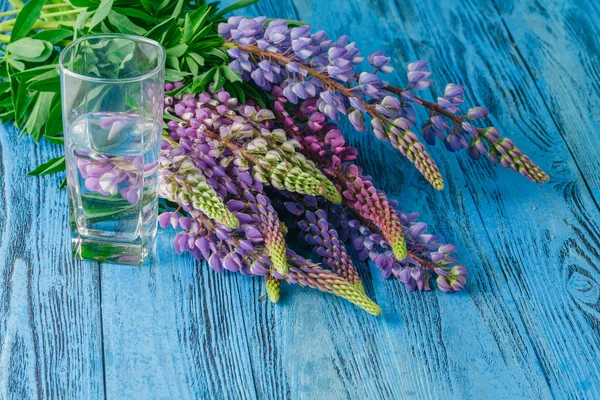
{"x": 172, "y": 329}
{"x": 50, "y": 339}
{"x": 542, "y": 237}
{"x": 500, "y": 337}
{"x": 557, "y": 41}
{"x": 472, "y": 344}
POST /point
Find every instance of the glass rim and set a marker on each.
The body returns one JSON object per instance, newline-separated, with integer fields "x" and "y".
{"x": 133, "y": 38}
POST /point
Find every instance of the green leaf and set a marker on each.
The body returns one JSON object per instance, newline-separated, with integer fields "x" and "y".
{"x": 102, "y": 12}
{"x": 53, "y": 35}
{"x": 147, "y": 4}
{"x": 178, "y": 50}
{"x": 124, "y": 24}
{"x": 22, "y": 100}
{"x": 16, "y": 64}
{"x": 38, "y": 115}
{"x": 162, "y": 5}
{"x": 172, "y": 36}
{"x": 200, "y": 34}
{"x": 83, "y": 3}
{"x": 48, "y": 84}
{"x": 188, "y": 29}
{"x": 28, "y": 49}
{"x": 232, "y": 89}
{"x": 53, "y": 73}
{"x": 235, "y": 6}
{"x": 57, "y": 164}
{"x": 53, "y": 127}
{"x": 7, "y": 116}
{"x": 156, "y": 32}
{"x": 177, "y": 9}
{"x": 171, "y": 117}
{"x": 255, "y": 94}
{"x": 135, "y": 13}
{"x": 202, "y": 80}
{"x": 207, "y": 42}
{"x": 16, "y": 4}
{"x": 199, "y": 16}
{"x": 56, "y": 140}
{"x": 36, "y": 71}
{"x": 80, "y": 21}
{"x": 172, "y": 75}
{"x": 26, "y": 18}
{"x": 230, "y": 74}
{"x": 173, "y": 62}
{"x": 180, "y": 90}
{"x": 63, "y": 184}
{"x": 192, "y": 65}
{"x": 218, "y": 53}
{"x": 197, "y": 57}
{"x": 239, "y": 93}
{"x": 218, "y": 81}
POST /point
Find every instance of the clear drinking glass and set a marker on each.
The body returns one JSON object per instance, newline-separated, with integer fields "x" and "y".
{"x": 112, "y": 97}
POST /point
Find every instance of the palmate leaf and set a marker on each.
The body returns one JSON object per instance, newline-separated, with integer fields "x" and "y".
{"x": 186, "y": 28}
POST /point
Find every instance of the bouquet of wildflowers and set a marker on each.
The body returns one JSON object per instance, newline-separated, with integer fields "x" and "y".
{"x": 254, "y": 168}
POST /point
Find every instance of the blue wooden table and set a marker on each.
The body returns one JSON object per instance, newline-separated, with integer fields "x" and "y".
{"x": 526, "y": 326}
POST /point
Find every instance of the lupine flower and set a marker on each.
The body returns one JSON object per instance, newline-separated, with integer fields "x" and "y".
{"x": 305, "y": 273}
{"x": 418, "y": 76}
{"x": 273, "y": 286}
{"x": 326, "y": 244}
{"x": 362, "y": 196}
{"x": 321, "y": 64}
{"x": 379, "y": 61}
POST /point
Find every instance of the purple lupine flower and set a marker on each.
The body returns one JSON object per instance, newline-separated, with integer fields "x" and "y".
{"x": 418, "y": 76}
{"x": 477, "y": 112}
{"x": 379, "y": 61}
{"x": 326, "y": 243}
{"x": 333, "y": 69}
{"x": 370, "y": 84}
{"x": 357, "y": 120}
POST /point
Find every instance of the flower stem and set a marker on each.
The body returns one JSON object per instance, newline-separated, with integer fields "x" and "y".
{"x": 61, "y": 13}
{"x": 46, "y": 7}
{"x": 420, "y": 158}
{"x": 38, "y": 25}
{"x": 323, "y": 78}
{"x": 434, "y": 107}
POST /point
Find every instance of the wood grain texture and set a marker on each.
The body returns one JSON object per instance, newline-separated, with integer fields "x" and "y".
{"x": 526, "y": 326}
{"x": 50, "y": 339}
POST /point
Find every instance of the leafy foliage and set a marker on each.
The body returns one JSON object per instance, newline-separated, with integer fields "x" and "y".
{"x": 29, "y": 68}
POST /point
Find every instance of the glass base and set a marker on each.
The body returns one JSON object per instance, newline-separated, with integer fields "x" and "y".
{"x": 110, "y": 252}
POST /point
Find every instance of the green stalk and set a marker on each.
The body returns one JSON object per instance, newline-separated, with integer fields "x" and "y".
{"x": 47, "y": 7}
{"x": 60, "y": 13}
{"x": 40, "y": 25}
{"x": 11, "y": 22}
